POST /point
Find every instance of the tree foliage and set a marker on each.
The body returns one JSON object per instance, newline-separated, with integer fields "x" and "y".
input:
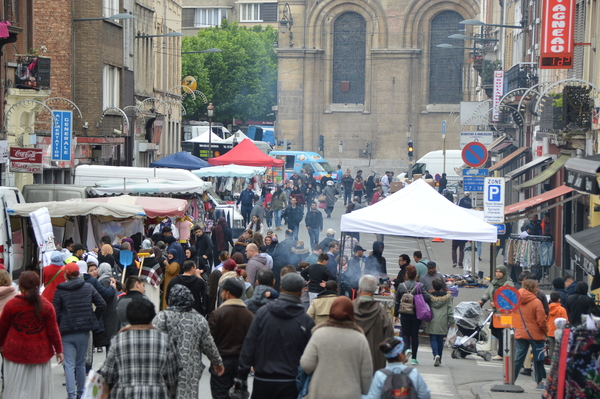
{"x": 241, "y": 80}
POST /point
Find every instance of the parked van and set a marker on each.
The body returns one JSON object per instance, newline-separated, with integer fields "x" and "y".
{"x": 11, "y": 231}
{"x": 52, "y": 192}
{"x": 310, "y": 161}
{"x": 199, "y": 128}
{"x": 262, "y": 133}
{"x": 434, "y": 162}
{"x": 89, "y": 175}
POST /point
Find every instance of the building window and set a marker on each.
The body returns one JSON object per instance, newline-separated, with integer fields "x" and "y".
{"x": 111, "y": 93}
{"x": 110, "y": 8}
{"x": 445, "y": 65}
{"x": 250, "y": 12}
{"x": 210, "y": 16}
{"x": 349, "y": 59}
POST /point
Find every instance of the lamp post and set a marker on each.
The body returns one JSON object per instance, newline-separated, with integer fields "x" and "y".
{"x": 210, "y": 111}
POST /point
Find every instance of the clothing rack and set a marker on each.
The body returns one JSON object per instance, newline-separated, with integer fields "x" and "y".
{"x": 532, "y": 238}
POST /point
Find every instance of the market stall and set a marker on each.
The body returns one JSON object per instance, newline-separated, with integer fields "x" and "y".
{"x": 247, "y": 154}
{"x": 148, "y": 187}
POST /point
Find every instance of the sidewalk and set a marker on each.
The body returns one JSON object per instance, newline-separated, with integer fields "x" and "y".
{"x": 483, "y": 391}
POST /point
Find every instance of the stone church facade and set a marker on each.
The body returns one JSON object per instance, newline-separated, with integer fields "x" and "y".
{"x": 370, "y": 71}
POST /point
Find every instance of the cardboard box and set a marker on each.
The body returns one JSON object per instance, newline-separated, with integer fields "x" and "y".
{"x": 417, "y": 176}
{"x": 395, "y": 186}
{"x": 431, "y": 182}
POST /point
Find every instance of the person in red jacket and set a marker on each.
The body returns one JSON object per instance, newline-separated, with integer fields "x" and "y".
{"x": 29, "y": 337}
{"x": 533, "y": 332}
{"x": 53, "y": 275}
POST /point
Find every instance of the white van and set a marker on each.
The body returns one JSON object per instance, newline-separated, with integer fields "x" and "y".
{"x": 89, "y": 175}
{"x": 434, "y": 162}
{"x": 11, "y": 231}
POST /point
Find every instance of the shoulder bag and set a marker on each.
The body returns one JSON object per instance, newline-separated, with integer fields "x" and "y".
{"x": 540, "y": 349}
{"x": 423, "y": 311}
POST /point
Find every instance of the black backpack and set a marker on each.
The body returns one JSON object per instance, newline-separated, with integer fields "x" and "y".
{"x": 398, "y": 385}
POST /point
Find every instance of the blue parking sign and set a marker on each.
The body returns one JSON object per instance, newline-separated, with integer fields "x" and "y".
{"x": 494, "y": 193}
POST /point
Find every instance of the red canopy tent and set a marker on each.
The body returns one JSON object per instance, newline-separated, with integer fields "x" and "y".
{"x": 246, "y": 154}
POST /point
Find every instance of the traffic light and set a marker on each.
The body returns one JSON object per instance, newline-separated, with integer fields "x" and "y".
{"x": 289, "y": 145}
{"x": 410, "y": 148}
{"x": 369, "y": 147}
{"x": 321, "y": 146}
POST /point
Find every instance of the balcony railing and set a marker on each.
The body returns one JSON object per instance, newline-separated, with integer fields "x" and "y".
{"x": 32, "y": 72}
{"x": 522, "y": 75}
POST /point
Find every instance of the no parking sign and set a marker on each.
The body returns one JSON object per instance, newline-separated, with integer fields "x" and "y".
{"x": 507, "y": 299}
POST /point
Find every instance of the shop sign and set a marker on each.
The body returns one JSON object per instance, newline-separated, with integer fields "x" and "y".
{"x": 582, "y": 182}
{"x": 498, "y": 85}
{"x": 580, "y": 260}
{"x": 26, "y": 160}
{"x": 61, "y": 135}
{"x": 558, "y": 34}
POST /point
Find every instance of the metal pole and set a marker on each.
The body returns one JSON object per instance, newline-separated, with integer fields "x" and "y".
{"x": 509, "y": 365}
{"x": 492, "y": 260}
{"x": 444, "y": 151}
{"x": 210, "y": 137}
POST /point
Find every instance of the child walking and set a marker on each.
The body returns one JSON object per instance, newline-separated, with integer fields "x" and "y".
{"x": 556, "y": 311}
{"x": 443, "y": 316}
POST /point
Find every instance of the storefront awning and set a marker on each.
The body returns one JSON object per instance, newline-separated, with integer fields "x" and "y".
{"x": 538, "y": 200}
{"x": 582, "y": 174}
{"x": 504, "y": 162}
{"x": 528, "y": 166}
{"x": 586, "y": 248}
{"x": 546, "y": 174}
{"x": 501, "y": 147}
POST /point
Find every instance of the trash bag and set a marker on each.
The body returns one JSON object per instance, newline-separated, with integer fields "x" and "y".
{"x": 451, "y": 337}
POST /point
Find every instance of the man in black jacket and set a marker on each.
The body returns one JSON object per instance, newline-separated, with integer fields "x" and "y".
{"x": 204, "y": 247}
{"x": 195, "y": 284}
{"x": 275, "y": 360}
{"x": 134, "y": 288}
{"x": 314, "y": 224}
{"x": 317, "y": 274}
{"x": 294, "y": 214}
{"x": 247, "y": 200}
{"x": 76, "y": 318}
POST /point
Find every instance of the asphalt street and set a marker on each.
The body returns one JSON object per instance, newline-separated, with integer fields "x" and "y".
{"x": 455, "y": 378}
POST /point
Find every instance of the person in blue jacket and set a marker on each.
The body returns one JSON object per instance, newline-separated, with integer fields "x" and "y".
{"x": 247, "y": 200}
{"x": 393, "y": 350}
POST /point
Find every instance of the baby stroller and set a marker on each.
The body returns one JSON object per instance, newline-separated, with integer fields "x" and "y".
{"x": 468, "y": 317}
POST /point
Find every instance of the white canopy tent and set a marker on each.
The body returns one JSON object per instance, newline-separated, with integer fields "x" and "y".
{"x": 419, "y": 211}
{"x": 231, "y": 171}
{"x": 203, "y": 138}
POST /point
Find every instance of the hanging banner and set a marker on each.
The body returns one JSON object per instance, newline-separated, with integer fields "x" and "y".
{"x": 61, "y": 135}
{"x": 497, "y": 95}
{"x": 26, "y": 160}
{"x": 558, "y": 34}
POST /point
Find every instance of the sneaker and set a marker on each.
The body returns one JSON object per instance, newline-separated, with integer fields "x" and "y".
{"x": 438, "y": 361}
{"x": 454, "y": 265}
{"x": 526, "y": 372}
{"x": 99, "y": 350}
{"x": 408, "y": 354}
{"x": 541, "y": 386}
{"x": 414, "y": 362}
{"x": 497, "y": 357}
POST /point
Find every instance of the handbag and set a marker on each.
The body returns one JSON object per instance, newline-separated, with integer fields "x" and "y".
{"x": 95, "y": 387}
{"x": 422, "y": 309}
{"x": 302, "y": 382}
{"x": 322, "y": 198}
{"x": 539, "y": 354}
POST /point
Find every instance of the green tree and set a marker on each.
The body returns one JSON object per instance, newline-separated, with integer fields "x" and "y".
{"x": 241, "y": 80}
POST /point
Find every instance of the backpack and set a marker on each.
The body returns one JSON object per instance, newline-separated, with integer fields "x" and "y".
{"x": 407, "y": 303}
{"x": 398, "y": 385}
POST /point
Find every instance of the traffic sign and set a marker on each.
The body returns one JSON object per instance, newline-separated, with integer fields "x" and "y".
{"x": 501, "y": 228}
{"x": 473, "y": 183}
{"x": 485, "y": 138}
{"x": 493, "y": 200}
{"x": 475, "y": 154}
{"x": 507, "y": 299}
{"x": 443, "y": 127}
{"x": 475, "y": 172}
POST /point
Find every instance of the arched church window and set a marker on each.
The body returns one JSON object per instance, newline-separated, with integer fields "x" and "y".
{"x": 349, "y": 58}
{"x": 445, "y": 64}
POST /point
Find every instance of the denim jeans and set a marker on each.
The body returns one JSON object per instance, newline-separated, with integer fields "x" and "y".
{"x": 75, "y": 347}
{"x": 347, "y": 196}
{"x": 278, "y": 214}
{"x": 522, "y": 345}
{"x": 437, "y": 344}
{"x": 246, "y": 214}
{"x": 546, "y": 253}
{"x": 314, "y": 237}
{"x": 295, "y": 229}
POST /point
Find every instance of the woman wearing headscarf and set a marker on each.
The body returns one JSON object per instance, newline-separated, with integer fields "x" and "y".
{"x": 106, "y": 255}
{"x": 171, "y": 268}
{"x": 110, "y": 317}
{"x": 221, "y": 237}
{"x": 338, "y": 356}
{"x": 375, "y": 264}
{"x": 189, "y": 330}
{"x": 240, "y": 248}
{"x": 501, "y": 279}
{"x": 147, "y": 245}
{"x": 230, "y": 270}
{"x": 271, "y": 245}
{"x": 579, "y": 303}
{"x": 298, "y": 194}
{"x": 393, "y": 350}
{"x": 309, "y": 193}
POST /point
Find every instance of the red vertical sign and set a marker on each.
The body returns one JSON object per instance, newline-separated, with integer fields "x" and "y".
{"x": 558, "y": 34}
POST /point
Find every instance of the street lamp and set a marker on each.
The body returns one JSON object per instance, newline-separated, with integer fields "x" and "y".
{"x": 210, "y": 111}
{"x": 460, "y": 36}
{"x": 210, "y": 50}
{"x": 114, "y": 17}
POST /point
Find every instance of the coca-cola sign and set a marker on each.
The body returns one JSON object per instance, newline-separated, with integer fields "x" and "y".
{"x": 26, "y": 160}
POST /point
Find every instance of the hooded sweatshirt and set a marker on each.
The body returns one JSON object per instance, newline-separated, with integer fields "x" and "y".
{"x": 556, "y": 311}
{"x": 443, "y": 314}
{"x": 376, "y": 323}
{"x": 579, "y": 303}
{"x": 375, "y": 264}
{"x": 276, "y": 340}
{"x": 255, "y": 264}
{"x": 259, "y": 299}
{"x": 534, "y": 316}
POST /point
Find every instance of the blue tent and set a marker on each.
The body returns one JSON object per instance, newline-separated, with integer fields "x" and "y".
{"x": 181, "y": 160}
